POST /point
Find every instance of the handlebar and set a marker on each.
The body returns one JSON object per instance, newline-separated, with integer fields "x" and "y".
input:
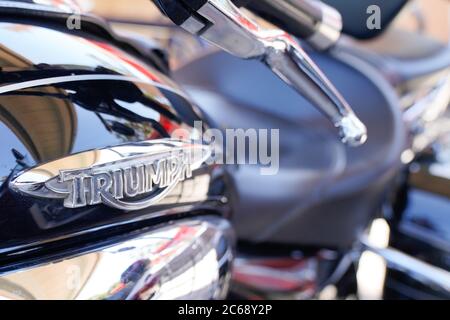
{"x": 224, "y": 25}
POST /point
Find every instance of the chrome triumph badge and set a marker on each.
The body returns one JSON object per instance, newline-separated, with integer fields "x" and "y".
{"x": 129, "y": 177}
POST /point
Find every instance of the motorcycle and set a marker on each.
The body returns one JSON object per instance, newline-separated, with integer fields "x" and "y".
{"x": 99, "y": 200}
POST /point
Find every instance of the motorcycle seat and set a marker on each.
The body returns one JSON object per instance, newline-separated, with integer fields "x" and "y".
{"x": 324, "y": 193}
{"x": 408, "y": 59}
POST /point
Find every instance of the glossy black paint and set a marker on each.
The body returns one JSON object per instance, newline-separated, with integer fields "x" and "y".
{"x": 95, "y": 95}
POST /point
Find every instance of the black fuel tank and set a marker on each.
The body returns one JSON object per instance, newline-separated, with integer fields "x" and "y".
{"x": 62, "y": 93}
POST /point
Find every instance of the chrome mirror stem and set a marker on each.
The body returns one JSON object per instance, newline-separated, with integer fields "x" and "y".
{"x": 294, "y": 66}
{"x": 224, "y": 25}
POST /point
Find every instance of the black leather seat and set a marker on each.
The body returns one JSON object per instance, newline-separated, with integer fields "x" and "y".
{"x": 324, "y": 193}
{"x": 408, "y": 59}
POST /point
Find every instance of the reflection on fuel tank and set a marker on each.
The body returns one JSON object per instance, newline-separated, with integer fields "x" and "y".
{"x": 189, "y": 259}
{"x": 57, "y": 101}
{"x": 47, "y": 127}
{"x": 45, "y": 117}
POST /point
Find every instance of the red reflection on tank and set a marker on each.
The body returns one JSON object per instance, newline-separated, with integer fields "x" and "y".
{"x": 183, "y": 233}
{"x": 170, "y": 126}
{"x": 127, "y": 60}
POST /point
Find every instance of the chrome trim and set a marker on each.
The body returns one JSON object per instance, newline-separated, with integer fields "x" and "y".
{"x": 426, "y": 115}
{"x": 431, "y": 106}
{"x": 328, "y": 30}
{"x": 186, "y": 260}
{"x": 420, "y": 271}
{"x": 235, "y": 33}
{"x": 86, "y": 77}
{"x": 115, "y": 176}
{"x": 371, "y": 73}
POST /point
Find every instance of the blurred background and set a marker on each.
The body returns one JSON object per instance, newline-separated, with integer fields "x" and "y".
{"x": 430, "y": 16}
{"x": 435, "y": 13}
